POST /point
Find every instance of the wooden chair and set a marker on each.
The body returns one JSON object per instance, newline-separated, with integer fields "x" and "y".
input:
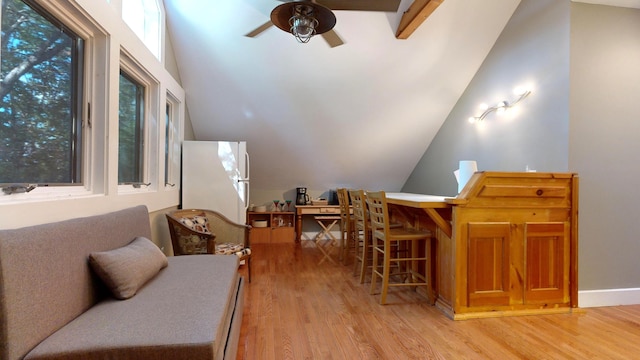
{"x": 347, "y": 225}
{"x": 383, "y": 239}
{"x": 362, "y": 233}
{"x": 197, "y": 231}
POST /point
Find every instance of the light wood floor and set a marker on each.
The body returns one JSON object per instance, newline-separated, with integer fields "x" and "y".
{"x": 296, "y": 309}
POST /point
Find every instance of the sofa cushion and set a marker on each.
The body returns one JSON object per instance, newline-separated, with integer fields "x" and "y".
{"x": 228, "y": 248}
{"x": 184, "y": 313}
{"x": 126, "y": 269}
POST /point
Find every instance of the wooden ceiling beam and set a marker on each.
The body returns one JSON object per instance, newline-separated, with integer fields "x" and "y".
{"x": 415, "y": 15}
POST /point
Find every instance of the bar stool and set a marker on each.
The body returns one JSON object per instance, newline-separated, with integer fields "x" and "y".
{"x": 326, "y": 224}
{"x": 362, "y": 233}
{"x": 347, "y": 225}
{"x": 383, "y": 236}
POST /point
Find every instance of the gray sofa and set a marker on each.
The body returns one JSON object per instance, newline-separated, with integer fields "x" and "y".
{"x": 54, "y": 306}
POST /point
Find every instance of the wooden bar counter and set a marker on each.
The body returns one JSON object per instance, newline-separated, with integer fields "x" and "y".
{"x": 506, "y": 245}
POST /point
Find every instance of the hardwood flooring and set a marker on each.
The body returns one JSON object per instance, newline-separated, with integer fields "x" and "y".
{"x": 297, "y": 309}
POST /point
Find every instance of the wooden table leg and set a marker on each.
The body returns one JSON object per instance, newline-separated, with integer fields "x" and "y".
{"x": 298, "y": 227}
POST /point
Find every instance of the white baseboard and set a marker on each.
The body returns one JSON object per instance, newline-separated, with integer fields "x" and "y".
{"x": 608, "y": 297}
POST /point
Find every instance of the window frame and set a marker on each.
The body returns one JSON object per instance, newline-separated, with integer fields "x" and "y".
{"x": 172, "y": 142}
{"x": 139, "y": 131}
{"x": 150, "y": 136}
{"x": 77, "y": 79}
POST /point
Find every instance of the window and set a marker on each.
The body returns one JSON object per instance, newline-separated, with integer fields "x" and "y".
{"x": 167, "y": 145}
{"x": 171, "y": 142}
{"x": 144, "y": 18}
{"x": 41, "y": 77}
{"x": 131, "y": 131}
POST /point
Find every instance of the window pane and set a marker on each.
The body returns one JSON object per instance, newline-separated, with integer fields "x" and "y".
{"x": 167, "y": 144}
{"x": 130, "y": 141}
{"x": 143, "y": 17}
{"x": 40, "y": 92}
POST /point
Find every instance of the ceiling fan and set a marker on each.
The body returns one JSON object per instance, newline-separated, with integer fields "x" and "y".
{"x": 304, "y": 18}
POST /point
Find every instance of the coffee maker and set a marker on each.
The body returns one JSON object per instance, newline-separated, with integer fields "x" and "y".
{"x": 302, "y": 198}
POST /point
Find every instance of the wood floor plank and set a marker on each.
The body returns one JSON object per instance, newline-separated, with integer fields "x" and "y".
{"x": 296, "y": 308}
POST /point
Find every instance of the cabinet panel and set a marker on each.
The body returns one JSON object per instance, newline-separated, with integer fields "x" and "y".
{"x": 547, "y": 262}
{"x": 260, "y": 236}
{"x": 488, "y": 264}
{"x": 284, "y": 234}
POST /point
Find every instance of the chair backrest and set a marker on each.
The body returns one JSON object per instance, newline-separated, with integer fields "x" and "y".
{"x": 343, "y": 201}
{"x": 359, "y": 206}
{"x": 190, "y": 232}
{"x": 378, "y": 213}
{"x": 198, "y": 231}
{"x": 226, "y": 230}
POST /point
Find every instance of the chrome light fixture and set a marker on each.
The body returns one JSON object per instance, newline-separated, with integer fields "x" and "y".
{"x": 303, "y": 24}
{"x": 502, "y": 106}
{"x": 303, "y": 19}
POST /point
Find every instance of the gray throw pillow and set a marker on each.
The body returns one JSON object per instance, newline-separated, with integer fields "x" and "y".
{"x": 126, "y": 269}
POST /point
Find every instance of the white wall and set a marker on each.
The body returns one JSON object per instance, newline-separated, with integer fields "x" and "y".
{"x": 532, "y": 50}
{"x": 582, "y": 117}
{"x": 604, "y": 145}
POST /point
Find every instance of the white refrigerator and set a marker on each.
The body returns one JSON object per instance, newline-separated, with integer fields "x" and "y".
{"x": 215, "y": 176}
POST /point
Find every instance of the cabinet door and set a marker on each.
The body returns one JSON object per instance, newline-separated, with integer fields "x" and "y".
{"x": 285, "y": 234}
{"x": 488, "y": 264}
{"x": 547, "y": 263}
{"x": 260, "y": 236}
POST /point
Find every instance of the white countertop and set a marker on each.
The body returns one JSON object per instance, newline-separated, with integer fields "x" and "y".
{"x": 416, "y": 197}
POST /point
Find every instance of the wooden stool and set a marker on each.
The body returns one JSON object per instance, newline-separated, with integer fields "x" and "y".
{"x": 407, "y": 253}
{"x": 347, "y": 225}
{"x": 326, "y": 223}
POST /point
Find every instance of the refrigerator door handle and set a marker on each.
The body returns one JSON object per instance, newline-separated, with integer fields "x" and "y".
{"x": 246, "y": 180}
{"x": 247, "y": 166}
{"x": 246, "y": 192}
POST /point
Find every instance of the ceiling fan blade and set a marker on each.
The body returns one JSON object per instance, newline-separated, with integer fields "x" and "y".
{"x": 257, "y": 31}
{"x": 332, "y": 38}
{"x": 362, "y": 5}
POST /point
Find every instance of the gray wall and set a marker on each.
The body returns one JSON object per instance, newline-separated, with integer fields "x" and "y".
{"x": 532, "y": 50}
{"x": 605, "y": 142}
{"x": 583, "y": 116}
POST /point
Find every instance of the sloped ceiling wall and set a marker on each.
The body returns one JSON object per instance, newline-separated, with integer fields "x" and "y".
{"x": 358, "y": 115}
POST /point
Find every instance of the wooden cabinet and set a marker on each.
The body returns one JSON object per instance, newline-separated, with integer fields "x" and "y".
{"x": 515, "y": 243}
{"x": 506, "y": 245}
{"x": 279, "y": 227}
{"x": 517, "y": 264}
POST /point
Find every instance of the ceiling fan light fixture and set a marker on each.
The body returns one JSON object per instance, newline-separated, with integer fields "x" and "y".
{"x": 303, "y": 19}
{"x": 303, "y": 23}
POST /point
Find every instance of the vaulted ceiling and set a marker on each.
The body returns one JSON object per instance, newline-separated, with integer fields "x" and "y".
{"x": 357, "y": 115}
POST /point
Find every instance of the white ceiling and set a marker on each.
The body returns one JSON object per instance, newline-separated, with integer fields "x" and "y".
{"x": 358, "y": 115}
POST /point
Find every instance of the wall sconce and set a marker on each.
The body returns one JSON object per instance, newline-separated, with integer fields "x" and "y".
{"x": 501, "y": 106}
